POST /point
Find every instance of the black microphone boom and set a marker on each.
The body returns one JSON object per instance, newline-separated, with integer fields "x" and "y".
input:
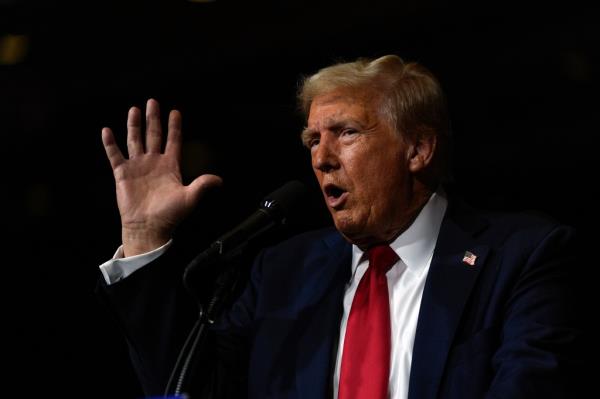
{"x": 273, "y": 212}
{"x": 218, "y": 262}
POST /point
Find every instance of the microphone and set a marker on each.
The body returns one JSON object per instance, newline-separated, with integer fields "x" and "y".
{"x": 219, "y": 260}
{"x": 273, "y": 212}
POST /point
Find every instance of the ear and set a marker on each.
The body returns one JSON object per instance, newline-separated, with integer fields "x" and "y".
{"x": 421, "y": 153}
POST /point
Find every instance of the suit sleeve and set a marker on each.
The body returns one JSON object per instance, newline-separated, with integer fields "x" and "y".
{"x": 155, "y": 313}
{"x": 538, "y": 355}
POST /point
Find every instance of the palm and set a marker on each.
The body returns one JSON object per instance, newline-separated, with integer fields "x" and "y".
{"x": 149, "y": 187}
{"x": 151, "y": 197}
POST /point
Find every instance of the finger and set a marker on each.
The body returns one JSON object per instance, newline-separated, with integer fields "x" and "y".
{"x": 173, "y": 146}
{"x": 134, "y": 132}
{"x": 200, "y": 185}
{"x": 153, "y": 131}
{"x": 113, "y": 152}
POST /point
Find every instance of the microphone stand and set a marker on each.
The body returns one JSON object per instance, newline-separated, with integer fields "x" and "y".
{"x": 220, "y": 258}
{"x": 225, "y": 284}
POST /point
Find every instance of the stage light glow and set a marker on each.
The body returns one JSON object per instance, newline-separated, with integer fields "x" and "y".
{"x": 13, "y": 49}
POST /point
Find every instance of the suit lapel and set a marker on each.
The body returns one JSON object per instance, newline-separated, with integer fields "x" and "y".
{"x": 447, "y": 288}
{"x": 325, "y": 275}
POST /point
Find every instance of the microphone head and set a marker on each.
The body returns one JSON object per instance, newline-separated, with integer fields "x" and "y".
{"x": 285, "y": 200}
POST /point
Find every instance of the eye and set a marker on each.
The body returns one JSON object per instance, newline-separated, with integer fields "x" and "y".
{"x": 348, "y": 131}
{"x": 313, "y": 141}
{"x": 310, "y": 140}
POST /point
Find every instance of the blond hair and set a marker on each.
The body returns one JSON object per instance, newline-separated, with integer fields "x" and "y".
{"x": 411, "y": 97}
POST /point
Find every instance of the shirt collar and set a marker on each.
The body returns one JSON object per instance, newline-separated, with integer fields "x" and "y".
{"x": 415, "y": 245}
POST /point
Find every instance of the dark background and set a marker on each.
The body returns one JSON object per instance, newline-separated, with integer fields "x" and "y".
{"x": 521, "y": 80}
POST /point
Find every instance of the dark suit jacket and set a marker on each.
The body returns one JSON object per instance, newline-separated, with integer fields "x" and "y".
{"x": 502, "y": 328}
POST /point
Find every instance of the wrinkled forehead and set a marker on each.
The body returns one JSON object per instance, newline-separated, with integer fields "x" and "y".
{"x": 330, "y": 107}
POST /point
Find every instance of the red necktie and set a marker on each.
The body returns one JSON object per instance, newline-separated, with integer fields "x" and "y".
{"x": 366, "y": 357}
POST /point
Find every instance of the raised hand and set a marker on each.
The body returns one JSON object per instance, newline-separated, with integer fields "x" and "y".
{"x": 151, "y": 197}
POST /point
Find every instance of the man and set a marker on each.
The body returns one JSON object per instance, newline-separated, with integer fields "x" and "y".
{"x": 413, "y": 295}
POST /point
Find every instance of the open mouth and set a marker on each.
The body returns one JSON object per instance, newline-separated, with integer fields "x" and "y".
{"x": 334, "y": 195}
{"x": 333, "y": 191}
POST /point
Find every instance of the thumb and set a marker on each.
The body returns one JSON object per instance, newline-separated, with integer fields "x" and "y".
{"x": 200, "y": 185}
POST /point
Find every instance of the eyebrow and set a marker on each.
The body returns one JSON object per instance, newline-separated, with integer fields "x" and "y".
{"x": 330, "y": 125}
{"x": 306, "y": 135}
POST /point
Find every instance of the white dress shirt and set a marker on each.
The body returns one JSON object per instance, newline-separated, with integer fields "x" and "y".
{"x": 119, "y": 267}
{"x": 406, "y": 280}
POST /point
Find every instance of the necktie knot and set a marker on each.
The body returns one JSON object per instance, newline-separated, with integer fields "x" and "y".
{"x": 382, "y": 258}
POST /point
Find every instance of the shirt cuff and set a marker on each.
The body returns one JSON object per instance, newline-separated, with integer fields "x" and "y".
{"x": 119, "y": 267}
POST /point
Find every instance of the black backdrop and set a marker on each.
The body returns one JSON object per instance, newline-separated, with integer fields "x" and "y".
{"x": 521, "y": 80}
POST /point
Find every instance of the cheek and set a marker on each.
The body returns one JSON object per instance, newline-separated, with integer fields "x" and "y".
{"x": 360, "y": 167}
{"x": 381, "y": 186}
{"x": 318, "y": 175}
{"x": 376, "y": 175}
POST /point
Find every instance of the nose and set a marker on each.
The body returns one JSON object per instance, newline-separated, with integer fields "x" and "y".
{"x": 324, "y": 155}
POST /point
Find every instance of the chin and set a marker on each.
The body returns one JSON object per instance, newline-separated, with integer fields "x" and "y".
{"x": 348, "y": 227}
{"x": 360, "y": 232}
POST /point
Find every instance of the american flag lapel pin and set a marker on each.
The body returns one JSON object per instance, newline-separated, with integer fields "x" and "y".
{"x": 469, "y": 258}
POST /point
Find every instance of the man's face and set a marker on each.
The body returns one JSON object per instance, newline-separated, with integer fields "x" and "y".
{"x": 361, "y": 163}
